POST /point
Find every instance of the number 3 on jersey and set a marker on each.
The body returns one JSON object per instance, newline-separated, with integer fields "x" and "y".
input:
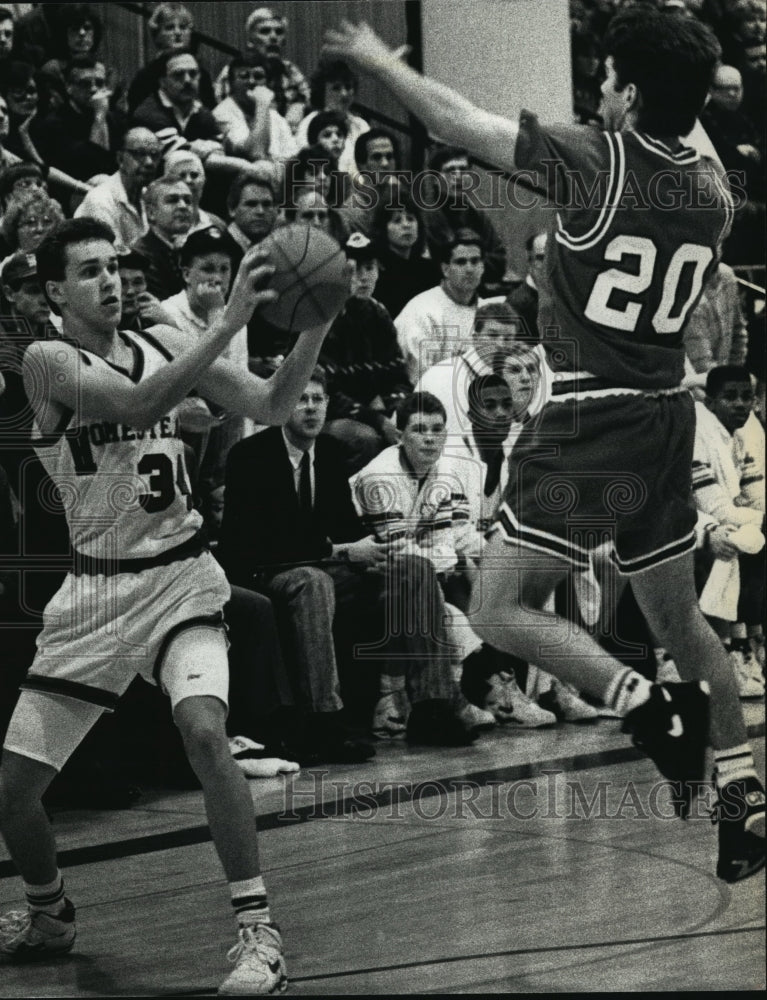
{"x": 159, "y": 469}
{"x": 669, "y": 317}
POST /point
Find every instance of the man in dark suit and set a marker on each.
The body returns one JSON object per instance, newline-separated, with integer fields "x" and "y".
{"x": 290, "y": 529}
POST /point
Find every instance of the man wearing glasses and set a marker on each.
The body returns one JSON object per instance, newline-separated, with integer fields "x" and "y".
{"x": 118, "y": 200}
{"x": 81, "y": 137}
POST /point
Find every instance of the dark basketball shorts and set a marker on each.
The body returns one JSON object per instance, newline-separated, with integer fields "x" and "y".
{"x": 613, "y": 466}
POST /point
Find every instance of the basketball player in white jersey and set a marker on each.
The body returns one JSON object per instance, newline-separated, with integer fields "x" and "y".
{"x": 145, "y": 595}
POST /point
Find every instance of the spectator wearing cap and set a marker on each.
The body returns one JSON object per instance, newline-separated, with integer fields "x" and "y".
{"x": 334, "y": 88}
{"x": 251, "y": 125}
{"x": 458, "y": 210}
{"x": 171, "y": 28}
{"x": 82, "y": 136}
{"x": 399, "y": 233}
{"x": 206, "y": 260}
{"x": 266, "y": 34}
{"x": 365, "y": 367}
{"x": 438, "y": 323}
{"x": 118, "y": 200}
{"x": 168, "y": 206}
{"x": 184, "y": 165}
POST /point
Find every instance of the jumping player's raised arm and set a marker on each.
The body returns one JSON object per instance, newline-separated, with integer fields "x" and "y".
{"x": 446, "y": 114}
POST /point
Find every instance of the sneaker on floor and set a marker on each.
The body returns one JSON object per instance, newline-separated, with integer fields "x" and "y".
{"x": 748, "y": 673}
{"x": 390, "y": 716}
{"x": 253, "y": 760}
{"x": 259, "y": 965}
{"x": 566, "y": 704}
{"x": 26, "y": 936}
{"x": 739, "y": 813}
{"x": 672, "y": 729}
{"x": 511, "y": 706}
{"x": 474, "y": 718}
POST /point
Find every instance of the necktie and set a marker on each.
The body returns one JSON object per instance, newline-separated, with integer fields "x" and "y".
{"x": 305, "y": 484}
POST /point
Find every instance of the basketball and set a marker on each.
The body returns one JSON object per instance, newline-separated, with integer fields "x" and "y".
{"x": 311, "y": 277}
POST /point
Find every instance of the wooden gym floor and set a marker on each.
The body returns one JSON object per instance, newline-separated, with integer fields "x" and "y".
{"x": 535, "y": 862}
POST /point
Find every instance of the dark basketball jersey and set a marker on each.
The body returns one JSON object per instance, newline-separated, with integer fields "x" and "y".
{"x": 638, "y": 231}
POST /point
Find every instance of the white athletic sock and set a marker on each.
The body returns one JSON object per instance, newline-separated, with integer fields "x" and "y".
{"x": 48, "y": 898}
{"x": 733, "y": 764}
{"x": 249, "y": 901}
{"x": 627, "y": 691}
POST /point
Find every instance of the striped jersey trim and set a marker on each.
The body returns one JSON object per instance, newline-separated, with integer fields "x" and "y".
{"x": 542, "y": 540}
{"x": 683, "y": 156}
{"x": 612, "y": 200}
{"x": 665, "y": 554}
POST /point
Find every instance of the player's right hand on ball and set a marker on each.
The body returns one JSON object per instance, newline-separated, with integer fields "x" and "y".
{"x": 251, "y": 287}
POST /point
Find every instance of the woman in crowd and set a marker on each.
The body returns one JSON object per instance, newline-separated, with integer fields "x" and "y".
{"x": 334, "y": 88}
{"x": 29, "y": 218}
{"x": 399, "y": 233}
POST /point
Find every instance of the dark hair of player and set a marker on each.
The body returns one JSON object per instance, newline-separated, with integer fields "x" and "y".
{"x": 671, "y": 60}
{"x": 52, "y": 253}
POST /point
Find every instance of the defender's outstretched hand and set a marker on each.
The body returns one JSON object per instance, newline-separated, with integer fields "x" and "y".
{"x": 360, "y": 44}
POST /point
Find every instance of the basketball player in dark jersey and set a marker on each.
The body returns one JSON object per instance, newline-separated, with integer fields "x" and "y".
{"x": 145, "y": 596}
{"x": 641, "y": 217}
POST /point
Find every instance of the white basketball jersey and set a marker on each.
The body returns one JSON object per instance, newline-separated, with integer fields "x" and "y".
{"x": 126, "y": 492}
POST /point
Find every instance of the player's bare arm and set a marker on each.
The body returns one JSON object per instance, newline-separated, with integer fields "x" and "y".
{"x": 56, "y": 378}
{"x": 267, "y": 401}
{"x": 446, "y": 114}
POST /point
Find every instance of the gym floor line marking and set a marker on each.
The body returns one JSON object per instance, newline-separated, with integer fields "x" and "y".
{"x": 510, "y": 953}
{"x": 403, "y": 793}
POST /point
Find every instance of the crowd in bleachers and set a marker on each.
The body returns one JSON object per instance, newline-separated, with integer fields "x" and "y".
{"x": 352, "y": 535}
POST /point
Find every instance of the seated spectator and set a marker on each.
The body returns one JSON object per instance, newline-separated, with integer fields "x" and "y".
{"x": 36, "y": 33}
{"x": 365, "y": 368}
{"x": 438, "y": 323}
{"x": 82, "y": 136}
{"x": 168, "y": 207}
{"x": 252, "y": 205}
{"x": 458, "y": 210}
{"x": 79, "y": 35}
{"x": 334, "y": 88}
{"x": 740, "y": 145}
{"x": 171, "y": 28}
{"x": 206, "y": 267}
{"x": 118, "y": 200}
{"x": 265, "y": 35}
{"x": 20, "y": 89}
{"x": 399, "y": 233}
{"x": 495, "y": 331}
{"x": 329, "y": 130}
{"x": 377, "y": 156}
{"x": 411, "y": 495}
{"x": 308, "y": 205}
{"x": 296, "y": 537}
{"x": 251, "y": 125}
{"x": 315, "y": 168}
{"x": 137, "y": 300}
{"x": 728, "y": 486}
{"x": 174, "y": 109}
{"x": 184, "y": 165}
{"x": 28, "y": 220}
{"x": 524, "y": 298}
{"x": 586, "y": 77}
{"x": 7, "y": 32}
{"x": 715, "y": 333}
{"x": 17, "y": 178}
